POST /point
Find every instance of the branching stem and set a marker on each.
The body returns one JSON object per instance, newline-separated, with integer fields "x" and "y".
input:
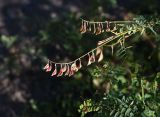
{"x": 99, "y": 46}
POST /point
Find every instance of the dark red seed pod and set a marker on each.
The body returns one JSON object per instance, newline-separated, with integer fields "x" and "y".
{"x": 71, "y": 73}
{"x": 46, "y": 66}
{"x": 60, "y": 73}
{"x": 49, "y": 68}
{"x": 79, "y": 65}
{"x": 67, "y": 71}
{"x": 55, "y": 71}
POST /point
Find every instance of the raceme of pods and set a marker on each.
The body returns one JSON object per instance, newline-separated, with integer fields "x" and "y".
{"x": 96, "y": 54}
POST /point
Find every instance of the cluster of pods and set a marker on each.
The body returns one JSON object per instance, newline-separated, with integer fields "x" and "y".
{"x": 97, "y": 27}
{"x": 69, "y": 69}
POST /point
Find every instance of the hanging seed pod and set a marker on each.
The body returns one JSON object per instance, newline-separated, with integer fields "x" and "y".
{"x": 107, "y": 26}
{"x": 68, "y": 70}
{"x": 71, "y": 73}
{"x": 55, "y": 71}
{"x": 87, "y": 26}
{"x": 99, "y": 53}
{"x": 64, "y": 68}
{"x": 102, "y": 27}
{"x": 82, "y": 27}
{"x": 90, "y": 27}
{"x": 98, "y": 29}
{"x": 80, "y": 64}
{"x": 46, "y": 66}
{"x": 89, "y": 60}
{"x": 115, "y": 27}
{"x": 60, "y": 71}
{"x": 92, "y": 58}
{"x": 74, "y": 67}
{"x": 49, "y": 68}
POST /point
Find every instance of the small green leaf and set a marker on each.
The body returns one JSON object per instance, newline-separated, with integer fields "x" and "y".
{"x": 112, "y": 112}
{"x": 123, "y": 110}
{"x": 128, "y": 112}
{"x": 117, "y": 113}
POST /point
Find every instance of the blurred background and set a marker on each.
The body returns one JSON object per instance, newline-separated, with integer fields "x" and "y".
{"x": 32, "y": 31}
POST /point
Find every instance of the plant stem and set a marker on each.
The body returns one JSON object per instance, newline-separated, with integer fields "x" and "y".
{"x": 142, "y": 91}
{"x": 111, "y": 22}
{"x": 99, "y": 46}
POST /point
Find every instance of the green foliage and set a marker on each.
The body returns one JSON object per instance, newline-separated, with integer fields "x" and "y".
{"x": 88, "y": 106}
{"x": 129, "y": 84}
{"x": 7, "y": 41}
{"x": 139, "y": 97}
